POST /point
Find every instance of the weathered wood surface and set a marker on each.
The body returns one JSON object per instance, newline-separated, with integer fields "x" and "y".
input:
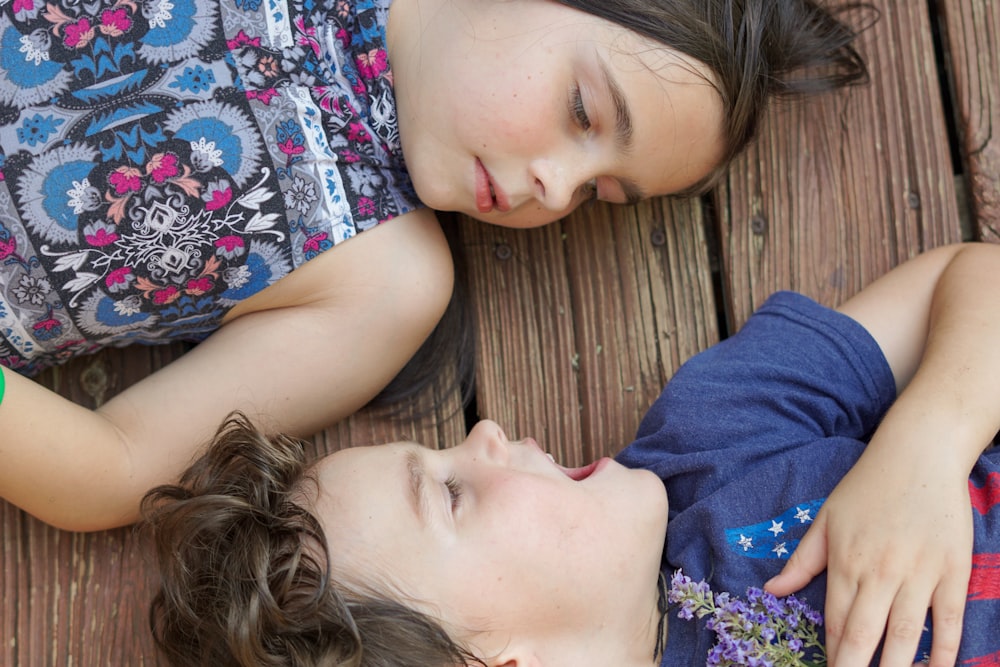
{"x": 580, "y": 323}
{"x": 971, "y": 30}
{"x": 839, "y": 190}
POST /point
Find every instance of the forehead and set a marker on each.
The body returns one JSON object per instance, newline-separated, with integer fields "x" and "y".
{"x": 359, "y": 472}
{"x": 361, "y": 501}
{"x": 677, "y": 113}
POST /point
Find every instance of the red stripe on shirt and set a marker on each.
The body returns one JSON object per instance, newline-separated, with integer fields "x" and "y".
{"x": 986, "y": 496}
{"x": 991, "y": 660}
{"x": 984, "y": 584}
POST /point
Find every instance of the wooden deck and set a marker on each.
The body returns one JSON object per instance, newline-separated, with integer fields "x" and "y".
{"x": 581, "y": 323}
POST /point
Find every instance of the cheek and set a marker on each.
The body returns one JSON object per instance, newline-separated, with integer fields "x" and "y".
{"x": 508, "y": 111}
{"x": 536, "y": 523}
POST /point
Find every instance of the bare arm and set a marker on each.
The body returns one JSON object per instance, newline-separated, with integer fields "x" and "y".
{"x": 304, "y": 361}
{"x": 896, "y": 534}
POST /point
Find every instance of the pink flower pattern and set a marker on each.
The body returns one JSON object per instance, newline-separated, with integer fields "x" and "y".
{"x": 79, "y": 34}
{"x": 125, "y": 179}
{"x": 162, "y": 166}
{"x": 165, "y": 221}
{"x": 115, "y": 22}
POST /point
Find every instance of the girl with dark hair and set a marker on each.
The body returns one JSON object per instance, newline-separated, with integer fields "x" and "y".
{"x": 490, "y": 553}
{"x": 203, "y": 170}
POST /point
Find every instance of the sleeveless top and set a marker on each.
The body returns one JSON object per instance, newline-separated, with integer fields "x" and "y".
{"x": 162, "y": 160}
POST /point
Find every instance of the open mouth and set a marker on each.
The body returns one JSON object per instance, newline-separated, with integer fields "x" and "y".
{"x": 580, "y": 474}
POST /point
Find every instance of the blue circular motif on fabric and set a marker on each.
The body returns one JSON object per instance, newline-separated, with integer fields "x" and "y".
{"x": 55, "y": 192}
{"x": 174, "y": 30}
{"x": 260, "y": 277}
{"x": 17, "y": 69}
{"x": 106, "y": 314}
{"x": 224, "y": 135}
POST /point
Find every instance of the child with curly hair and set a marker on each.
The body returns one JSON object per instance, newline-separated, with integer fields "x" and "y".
{"x": 742, "y": 473}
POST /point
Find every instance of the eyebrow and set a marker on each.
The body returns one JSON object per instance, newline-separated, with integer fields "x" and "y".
{"x": 623, "y": 130}
{"x": 415, "y": 476}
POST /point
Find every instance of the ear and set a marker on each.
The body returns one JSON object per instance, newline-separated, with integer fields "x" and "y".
{"x": 513, "y": 658}
{"x": 532, "y": 661}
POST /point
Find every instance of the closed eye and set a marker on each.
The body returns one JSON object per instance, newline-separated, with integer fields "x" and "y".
{"x": 455, "y": 491}
{"x": 577, "y": 110}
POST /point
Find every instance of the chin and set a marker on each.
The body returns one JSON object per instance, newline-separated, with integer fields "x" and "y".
{"x": 527, "y": 220}
{"x": 654, "y": 496}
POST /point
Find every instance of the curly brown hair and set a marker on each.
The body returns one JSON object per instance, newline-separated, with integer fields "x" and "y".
{"x": 246, "y": 577}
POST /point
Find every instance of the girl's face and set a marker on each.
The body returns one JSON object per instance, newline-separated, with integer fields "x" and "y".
{"x": 516, "y": 111}
{"x": 499, "y": 542}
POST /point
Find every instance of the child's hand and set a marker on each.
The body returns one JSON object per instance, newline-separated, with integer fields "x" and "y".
{"x": 896, "y": 538}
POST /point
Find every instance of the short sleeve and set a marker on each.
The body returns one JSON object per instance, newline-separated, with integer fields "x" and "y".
{"x": 796, "y": 371}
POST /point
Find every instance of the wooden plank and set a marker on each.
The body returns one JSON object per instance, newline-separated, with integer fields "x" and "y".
{"x": 641, "y": 306}
{"x": 581, "y": 322}
{"x": 75, "y": 598}
{"x": 841, "y": 188}
{"x": 971, "y": 35}
{"x": 83, "y": 599}
{"x": 520, "y": 297}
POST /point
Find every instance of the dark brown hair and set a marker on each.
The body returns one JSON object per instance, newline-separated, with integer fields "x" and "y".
{"x": 757, "y": 49}
{"x": 245, "y": 571}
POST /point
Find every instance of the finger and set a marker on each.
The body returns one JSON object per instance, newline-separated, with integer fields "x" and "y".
{"x": 854, "y": 633}
{"x": 840, "y": 594}
{"x": 807, "y": 561}
{"x": 948, "y": 613}
{"x": 905, "y": 625}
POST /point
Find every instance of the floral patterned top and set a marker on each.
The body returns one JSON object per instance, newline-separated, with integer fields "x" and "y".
{"x": 161, "y": 160}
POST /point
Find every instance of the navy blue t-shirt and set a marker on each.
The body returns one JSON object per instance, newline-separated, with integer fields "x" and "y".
{"x": 749, "y": 438}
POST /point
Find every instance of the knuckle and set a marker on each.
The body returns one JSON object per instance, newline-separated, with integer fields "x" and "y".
{"x": 859, "y": 637}
{"x": 904, "y": 630}
{"x": 834, "y": 628}
{"x": 948, "y": 620}
{"x": 888, "y": 566}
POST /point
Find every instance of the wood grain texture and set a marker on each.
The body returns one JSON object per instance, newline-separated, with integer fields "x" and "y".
{"x": 841, "y": 188}
{"x": 580, "y": 323}
{"x": 971, "y": 34}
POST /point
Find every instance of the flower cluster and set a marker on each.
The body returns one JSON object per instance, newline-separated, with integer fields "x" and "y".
{"x": 761, "y": 631}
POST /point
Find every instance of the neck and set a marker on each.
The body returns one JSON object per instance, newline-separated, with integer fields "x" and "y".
{"x": 652, "y": 636}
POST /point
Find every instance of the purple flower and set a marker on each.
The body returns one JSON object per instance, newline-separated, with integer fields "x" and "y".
{"x": 760, "y": 631}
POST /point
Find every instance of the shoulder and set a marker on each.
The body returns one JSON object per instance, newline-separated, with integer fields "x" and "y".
{"x": 796, "y": 372}
{"x": 791, "y": 346}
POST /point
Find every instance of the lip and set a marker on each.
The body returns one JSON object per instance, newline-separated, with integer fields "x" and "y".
{"x": 587, "y": 471}
{"x": 486, "y": 200}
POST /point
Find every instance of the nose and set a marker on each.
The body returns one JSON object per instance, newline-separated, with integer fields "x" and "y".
{"x": 487, "y": 439}
{"x": 557, "y": 181}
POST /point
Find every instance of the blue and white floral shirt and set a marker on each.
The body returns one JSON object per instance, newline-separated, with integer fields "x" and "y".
{"x": 161, "y": 160}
